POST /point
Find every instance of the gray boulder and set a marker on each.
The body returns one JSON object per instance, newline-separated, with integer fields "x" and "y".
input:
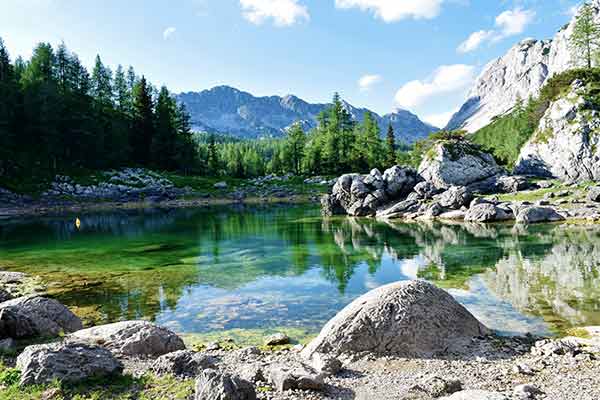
{"x": 213, "y": 385}
{"x": 487, "y": 212}
{"x": 399, "y": 181}
{"x": 34, "y": 316}
{"x": 276, "y": 339}
{"x": 399, "y": 209}
{"x": 456, "y": 197}
{"x": 9, "y": 277}
{"x": 65, "y": 362}
{"x": 382, "y": 322}
{"x": 182, "y": 363}
{"x": 593, "y": 194}
{"x": 457, "y": 163}
{"x": 534, "y": 214}
{"x": 5, "y": 296}
{"x": 426, "y": 190}
{"x": 512, "y": 184}
{"x": 299, "y": 378}
{"x": 330, "y": 206}
{"x": 131, "y": 338}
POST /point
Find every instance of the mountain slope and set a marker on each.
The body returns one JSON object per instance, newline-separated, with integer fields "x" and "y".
{"x": 224, "y": 109}
{"x": 520, "y": 73}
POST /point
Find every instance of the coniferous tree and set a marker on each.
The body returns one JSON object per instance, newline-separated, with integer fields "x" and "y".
{"x": 164, "y": 141}
{"x": 585, "y": 39}
{"x": 213, "y": 156}
{"x": 295, "y": 143}
{"x": 142, "y": 132}
{"x": 390, "y": 144}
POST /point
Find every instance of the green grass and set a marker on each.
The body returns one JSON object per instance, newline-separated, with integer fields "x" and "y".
{"x": 122, "y": 387}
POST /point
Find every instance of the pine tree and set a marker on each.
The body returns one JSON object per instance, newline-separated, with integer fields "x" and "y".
{"x": 213, "y": 156}
{"x": 390, "y": 144}
{"x": 164, "y": 141}
{"x": 122, "y": 91}
{"x": 142, "y": 132}
{"x": 186, "y": 154}
{"x": 585, "y": 39}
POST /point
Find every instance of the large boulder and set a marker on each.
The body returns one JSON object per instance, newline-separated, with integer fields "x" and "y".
{"x": 456, "y": 197}
{"x": 213, "y": 385}
{"x": 131, "y": 338}
{"x": 34, "y": 316}
{"x": 566, "y": 144}
{"x": 457, "y": 163}
{"x": 299, "y": 378}
{"x": 488, "y": 212}
{"x": 65, "y": 362}
{"x": 534, "y": 214}
{"x": 409, "y": 318}
{"x": 362, "y": 195}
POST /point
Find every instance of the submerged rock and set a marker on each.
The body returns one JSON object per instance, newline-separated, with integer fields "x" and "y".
{"x": 382, "y": 322}
{"x": 34, "y": 316}
{"x": 213, "y": 385}
{"x": 65, "y": 362}
{"x": 132, "y": 338}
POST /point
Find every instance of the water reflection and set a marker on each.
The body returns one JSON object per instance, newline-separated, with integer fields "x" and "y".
{"x": 200, "y": 270}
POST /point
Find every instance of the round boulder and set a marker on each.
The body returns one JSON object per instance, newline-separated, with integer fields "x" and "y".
{"x": 132, "y": 338}
{"x": 408, "y": 318}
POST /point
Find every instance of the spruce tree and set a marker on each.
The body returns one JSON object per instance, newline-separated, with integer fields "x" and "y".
{"x": 142, "y": 132}
{"x": 295, "y": 142}
{"x": 390, "y": 147}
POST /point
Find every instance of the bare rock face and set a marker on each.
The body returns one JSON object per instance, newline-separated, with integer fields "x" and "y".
{"x": 566, "y": 144}
{"x": 519, "y": 74}
{"x": 131, "y": 338}
{"x": 66, "y": 362}
{"x": 213, "y": 385}
{"x": 457, "y": 163}
{"x": 34, "y": 316}
{"x": 409, "y": 318}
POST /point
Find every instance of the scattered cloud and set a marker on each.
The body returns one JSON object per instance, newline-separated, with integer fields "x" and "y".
{"x": 395, "y": 10}
{"x": 509, "y": 23}
{"x": 366, "y": 82}
{"x": 445, "y": 79}
{"x": 281, "y": 12}
{"x": 439, "y": 120}
{"x": 167, "y": 33}
{"x": 572, "y": 11}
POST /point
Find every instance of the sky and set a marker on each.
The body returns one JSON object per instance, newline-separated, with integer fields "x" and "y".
{"x": 419, "y": 55}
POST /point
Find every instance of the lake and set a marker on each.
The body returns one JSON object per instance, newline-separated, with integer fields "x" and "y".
{"x": 247, "y": 270}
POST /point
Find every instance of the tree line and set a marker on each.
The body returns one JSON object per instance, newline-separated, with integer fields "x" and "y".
{"x": 55, "y": 116}
{"x": 58, "y": 117}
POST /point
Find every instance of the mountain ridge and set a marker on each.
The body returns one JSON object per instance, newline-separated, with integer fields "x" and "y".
{"x": 226, "y": 109}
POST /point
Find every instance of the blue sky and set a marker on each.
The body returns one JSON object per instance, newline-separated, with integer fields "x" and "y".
{"x": 421, "y": 55}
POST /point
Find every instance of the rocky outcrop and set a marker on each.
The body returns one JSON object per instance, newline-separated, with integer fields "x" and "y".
{"x": 362, "y": 195}
{"x": 566, "y": 144}
{"x": 382, "y": 322}
{"x": 182, "y": 363}
{"x": 457, "y": 163}
{"x": 519, "y": 74}
{"x": 33, "y": 316}
{"x": 65, "y": 362}
{"x": 131, "y": 338}
{"x": 213, "y": 385}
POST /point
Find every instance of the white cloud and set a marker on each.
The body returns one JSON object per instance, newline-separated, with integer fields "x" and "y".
{"x": 514, "y": 22}
{"x": 167, "y": 33}
{"x": 439, "y": 120}
{"x": 282, "y": 12}
{"x": 395, "y": 10}
{"x": 572, "y": 11}
{"x": 508, "y": 23}
{"x": 475, "y": 40}
{"x": 445, "y": 79}
{"x": 366, "y": 82}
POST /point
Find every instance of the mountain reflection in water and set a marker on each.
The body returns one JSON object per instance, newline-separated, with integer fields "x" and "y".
{"x": 247, "y": 267}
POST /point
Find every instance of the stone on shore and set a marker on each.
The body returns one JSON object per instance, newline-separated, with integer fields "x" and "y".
{"x": 213, "y": 385}
{"x": 476, "y": 395}
{"x": 456, "y": 197}
{"x": 534, "y": 214}
{"x": 277, "y": 339}
{"x": 131, "y": 338}
{"x": 299, "y": 378}
{"x": 384, "y": 322}
{"x": 182, "y": 363}
{"x": 487, "y": 212}
{"x": 65, "y": 362}
{"x": 34, "y": 316}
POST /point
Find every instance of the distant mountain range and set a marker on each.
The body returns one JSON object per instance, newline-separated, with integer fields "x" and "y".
{"x": 227, "y": 110}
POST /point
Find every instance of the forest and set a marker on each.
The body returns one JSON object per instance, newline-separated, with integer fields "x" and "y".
{"x": 58, "y": 117}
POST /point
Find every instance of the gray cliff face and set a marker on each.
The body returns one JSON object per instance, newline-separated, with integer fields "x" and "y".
{"x": 225, "y": 109}
{"x": 520, "y": 73}
{"x": 566, "y": 144}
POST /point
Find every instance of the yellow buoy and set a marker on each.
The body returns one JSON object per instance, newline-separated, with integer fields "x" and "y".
{"x": 77, "y": 223}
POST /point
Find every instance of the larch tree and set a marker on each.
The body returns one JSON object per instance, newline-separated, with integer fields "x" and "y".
{"x": 585, "y": 39}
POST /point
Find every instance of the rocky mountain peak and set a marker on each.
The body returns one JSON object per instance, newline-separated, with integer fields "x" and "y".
{"x": 520, "y": 73}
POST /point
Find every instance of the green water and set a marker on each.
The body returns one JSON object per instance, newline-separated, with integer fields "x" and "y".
{"x": 251, "y": 269}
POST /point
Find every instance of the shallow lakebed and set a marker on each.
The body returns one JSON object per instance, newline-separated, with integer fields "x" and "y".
{"x": 246, "y": 270}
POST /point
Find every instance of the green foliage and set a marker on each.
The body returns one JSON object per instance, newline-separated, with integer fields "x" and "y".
{"x": 9, "y": 376}
{"x": 424, "y": 148}
{"x": 505, "y": 136}
{"x": 585, "y": 39}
